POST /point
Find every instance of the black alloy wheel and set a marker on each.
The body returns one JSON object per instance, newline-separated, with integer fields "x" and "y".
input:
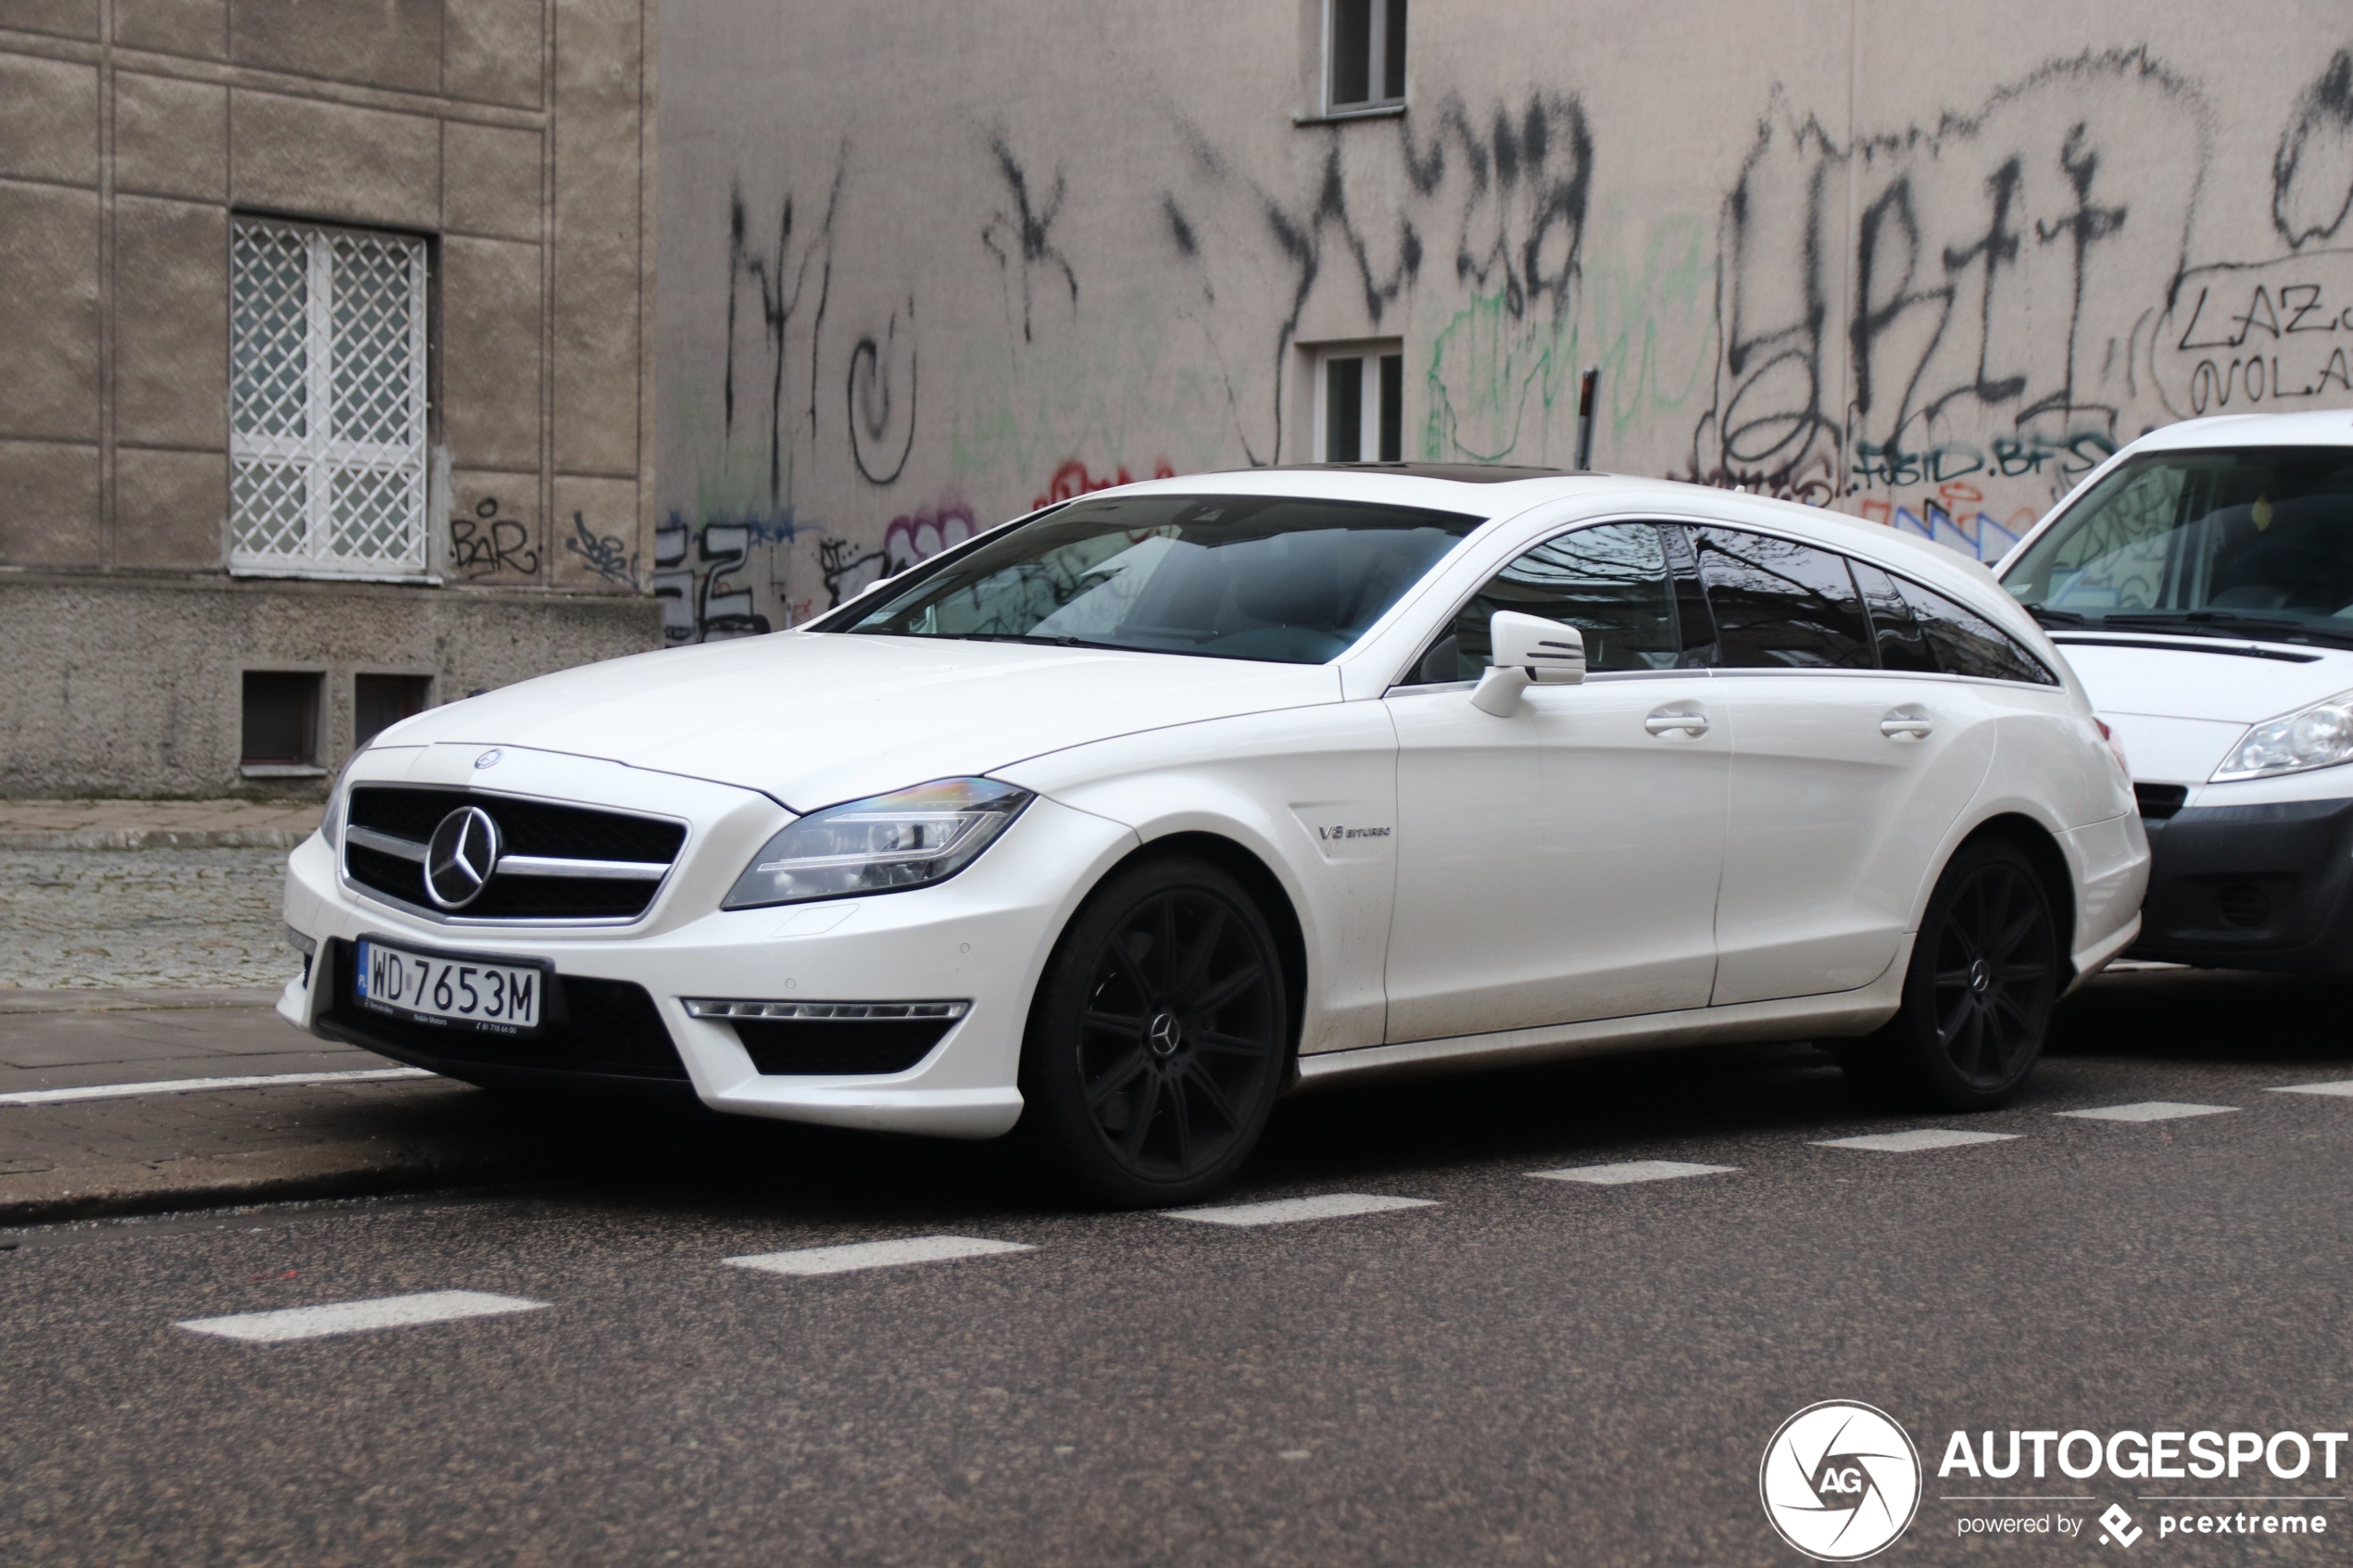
{"x": 1977, "y": 997}
{"x": 1995, "y": 975}
{"x": 1160, "y": 1036}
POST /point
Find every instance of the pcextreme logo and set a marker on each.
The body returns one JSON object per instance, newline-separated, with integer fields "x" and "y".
{"x": 1839, "y": 1481}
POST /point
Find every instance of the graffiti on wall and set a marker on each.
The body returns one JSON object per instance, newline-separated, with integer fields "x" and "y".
{"x": 1939, "y": 323}
{"x": 1072, "y": 480}
{"x": 490, "y": 544}
{"x": 1490, "y": 208}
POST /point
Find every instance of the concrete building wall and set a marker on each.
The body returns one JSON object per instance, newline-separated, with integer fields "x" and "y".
{"x": 923, "y": 267}
{"x": 515, "y": 137}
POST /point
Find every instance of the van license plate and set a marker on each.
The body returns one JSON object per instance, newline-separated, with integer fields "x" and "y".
{"x": 450, "y": 989}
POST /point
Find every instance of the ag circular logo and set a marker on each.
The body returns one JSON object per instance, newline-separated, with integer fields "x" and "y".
{"x": 459, "y": 859}
{"x": 1839, "y": 1481}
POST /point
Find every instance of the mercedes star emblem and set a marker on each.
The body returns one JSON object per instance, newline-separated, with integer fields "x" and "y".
{"x": 463, "y": 853}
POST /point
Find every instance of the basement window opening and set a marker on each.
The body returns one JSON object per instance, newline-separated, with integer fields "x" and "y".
{"x": 281, "y": 728}
{"x": 378, "y": 702}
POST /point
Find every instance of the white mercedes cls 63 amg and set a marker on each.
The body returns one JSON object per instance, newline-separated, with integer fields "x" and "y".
{"x": 1115, "y": 822}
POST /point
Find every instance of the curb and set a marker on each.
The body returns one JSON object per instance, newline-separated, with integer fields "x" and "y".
{"x": 110, "y": 1192}
{"x": 155, "y": 838}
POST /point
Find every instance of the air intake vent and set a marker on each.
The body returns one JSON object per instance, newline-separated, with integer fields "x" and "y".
{"x": 2242, "y": 905}
{"x": 2159, "y": 802}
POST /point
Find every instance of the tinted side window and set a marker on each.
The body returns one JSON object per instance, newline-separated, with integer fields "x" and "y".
{"x": 1967, "y": 643}
{"x": 1902, "y": 644}
{"x": 1780, "y": 604}
{"x": 1610, "y": 583}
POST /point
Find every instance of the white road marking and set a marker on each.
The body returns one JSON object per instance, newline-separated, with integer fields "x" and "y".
{"x": 1290, "y": 1211}
{"x": 193, "y": 1086}
{"x": 1914, "y": 1141}
{"x": 2341, "y": 1086}
{"x": 2146, "y": 1110}
{"x": 875, "y": 1254}
{"x": 356, "y": 1317}
{"x": 1633, "y": 1171}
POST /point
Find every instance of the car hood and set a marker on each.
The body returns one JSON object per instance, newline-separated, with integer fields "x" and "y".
{"x": 815, "y": 719}
{"x": 2178, "y": 710}
{"x": 2219, "y": 682}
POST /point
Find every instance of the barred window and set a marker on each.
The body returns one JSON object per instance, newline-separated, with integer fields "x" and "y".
{"x": 327, "y": 420}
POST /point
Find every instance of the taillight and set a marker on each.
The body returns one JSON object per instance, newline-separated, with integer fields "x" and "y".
{"x": 2115, "y": 749}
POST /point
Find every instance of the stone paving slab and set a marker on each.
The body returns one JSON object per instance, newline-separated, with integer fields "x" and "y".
{"x": 59, "y": 1048}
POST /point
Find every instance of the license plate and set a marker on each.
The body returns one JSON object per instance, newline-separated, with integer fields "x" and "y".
{"x": 451, "y": 990}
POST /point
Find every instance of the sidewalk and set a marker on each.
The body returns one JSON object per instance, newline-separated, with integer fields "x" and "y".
{"x": 140, "y": 944}
{"x": 162, "y": 1150}
{"x": 154, "y": 824}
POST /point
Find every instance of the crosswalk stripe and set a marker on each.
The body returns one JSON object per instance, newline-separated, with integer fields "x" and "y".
{"x": 1914, "y": 1141}
{"x": 877, "y": 1254}
{"x": 1633, "y": 1171}
{"x": 2340, "y": 1087}
{"x": 1290, "y": 1210}
{"x": 356, "y": 1317}
{"x": 2146, "y": 1110}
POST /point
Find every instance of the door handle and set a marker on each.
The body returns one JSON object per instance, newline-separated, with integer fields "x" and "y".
{"x": 1899, "y": 724}
{"x": 1692, "y": 723}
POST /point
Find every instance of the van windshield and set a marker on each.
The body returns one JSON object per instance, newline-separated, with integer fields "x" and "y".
{"x": 2254, "y": 542}
{"x": 1283, "y": 579}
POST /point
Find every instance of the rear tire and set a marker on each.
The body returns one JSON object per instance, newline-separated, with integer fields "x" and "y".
{"x": 1159, "y": 1038}
{"x": 1978, "y": 994}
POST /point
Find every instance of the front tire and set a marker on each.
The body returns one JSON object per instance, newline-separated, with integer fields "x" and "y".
{"x": 1978, "y": 997}
{"x": 1159, "y": 1038}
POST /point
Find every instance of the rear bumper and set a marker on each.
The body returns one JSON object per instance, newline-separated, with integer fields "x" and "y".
{"x": 2266, "y": 887}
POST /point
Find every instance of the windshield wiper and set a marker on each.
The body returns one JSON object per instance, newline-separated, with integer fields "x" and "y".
{"x": 2047, "y": 616}
{"x": 2228, "y": 623}
{"x": 1037, "y": 641}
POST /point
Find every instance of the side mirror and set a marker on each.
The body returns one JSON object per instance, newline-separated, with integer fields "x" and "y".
{"x": 1529, "y": 650}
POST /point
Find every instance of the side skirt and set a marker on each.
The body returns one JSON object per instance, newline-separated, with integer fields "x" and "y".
{"x": 1789, "y": 1018}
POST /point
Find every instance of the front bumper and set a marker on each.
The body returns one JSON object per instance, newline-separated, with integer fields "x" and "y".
{"x": 616, "y": 1022}
{"x": 2263, "y": 885}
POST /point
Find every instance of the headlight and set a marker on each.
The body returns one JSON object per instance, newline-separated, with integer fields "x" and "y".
{"x": 2317, "y": 736}
{"x": 910, "y": 839}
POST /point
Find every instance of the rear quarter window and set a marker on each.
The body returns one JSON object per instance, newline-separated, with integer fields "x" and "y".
{"x": 1964, "y": 643}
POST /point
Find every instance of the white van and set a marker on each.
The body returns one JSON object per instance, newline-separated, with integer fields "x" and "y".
{"x": 2201, "y": 583}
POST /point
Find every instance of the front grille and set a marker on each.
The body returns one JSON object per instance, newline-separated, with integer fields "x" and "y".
{"x": 525, "y": 828}
{"x": 2158, "y": 801}
{"x": 836, "y": 1046}
{"x": 608, "y": 1027}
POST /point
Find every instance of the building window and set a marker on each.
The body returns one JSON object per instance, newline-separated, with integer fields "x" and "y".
{"x": 1360, "y": 412}
{"x": 281, "y": 724}
{"x": 1363, "y": 54}
{"x": 378, "y": 702}
{"x": 327, "y": 421}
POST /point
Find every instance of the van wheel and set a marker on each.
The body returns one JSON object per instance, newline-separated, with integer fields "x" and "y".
{"x": 1159, "y": 1037}
{"x": 1978, "y": 997}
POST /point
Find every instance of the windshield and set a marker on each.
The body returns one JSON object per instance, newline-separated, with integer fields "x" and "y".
{"x": 1261, "y": 577}
{"x": 2257, "y": 542}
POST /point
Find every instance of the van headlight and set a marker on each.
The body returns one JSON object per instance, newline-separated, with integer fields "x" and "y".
{"x": 909, "y": 839}
{"x": 2317, "y": 736}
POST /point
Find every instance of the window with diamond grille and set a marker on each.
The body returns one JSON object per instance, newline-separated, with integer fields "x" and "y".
{"x": 327, "y": 421}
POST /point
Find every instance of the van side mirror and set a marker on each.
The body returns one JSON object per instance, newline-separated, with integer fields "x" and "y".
{"x": 1529, "y": 650}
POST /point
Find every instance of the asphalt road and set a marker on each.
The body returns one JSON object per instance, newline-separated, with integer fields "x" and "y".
{"x": 1515, "y": 1371}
